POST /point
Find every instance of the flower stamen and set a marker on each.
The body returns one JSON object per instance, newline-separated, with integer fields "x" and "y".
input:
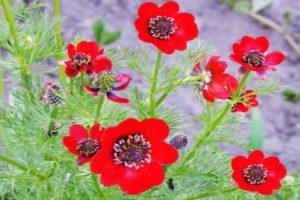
{"x": 254, "y": 58}
{"x": 161, "y": 27}
{"x": 255, "y": 174}
{"x": 88, "y": 147}
{"x": 80, "y": 60}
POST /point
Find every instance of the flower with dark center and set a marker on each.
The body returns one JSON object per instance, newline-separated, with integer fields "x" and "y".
{"x": 215, "y": 83}
{"x": 52, "y": 94}
{"x": 258, "y": 173}
{"x": 179, "y": 141}
{"x": 133, "y": 155}
{"x": 106, "y": 83}
{"x": 86, "y": 57}
{"x": 247, "y": 100}
{"x": 251, "y": 54}
{"x": 165, "y": 27}
{"x": 83, "y": 144}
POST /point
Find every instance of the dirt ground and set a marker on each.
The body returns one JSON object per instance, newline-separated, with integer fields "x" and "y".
{"x": 220, "y": 27}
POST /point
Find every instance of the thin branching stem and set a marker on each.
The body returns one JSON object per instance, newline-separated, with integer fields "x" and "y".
{"x": 21, "y": 167}
{"x": 209, "y": 130}
{"x": 97, "y": 186}
{"x": 99, "y": 107}
{"x": 53, "y": 116}
{"x": 153, "y": 84}
{"x": 211, "y": 193}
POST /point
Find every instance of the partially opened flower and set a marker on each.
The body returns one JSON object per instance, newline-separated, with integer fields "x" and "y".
{"x": 251, "y": 54}
{"x": 165, "y": 27}
{"x": 52, "y": 94}
{"x": 247, "y": 100}
{"x": 214, "y": 84}
{"x": 86, "y": 57}
{"x": 258, "y": 173}
{"x": 82, "y": 143}
{"x": 107, "y": 83}
{"x": 133, "y": 155}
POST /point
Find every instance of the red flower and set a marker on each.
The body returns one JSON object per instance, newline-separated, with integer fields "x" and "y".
{"x": 86, "y": 57}
{"x": 247, "y": 100}
{"x": 165, "y": 27}
{"x": 251, "y": 54}
{"x": 133, "y": 155}
{"x": 215, "y": 83}
{"x": 106, "y": 82}
{"x": 83, "y": 144}
{"x": 258, "y": 173}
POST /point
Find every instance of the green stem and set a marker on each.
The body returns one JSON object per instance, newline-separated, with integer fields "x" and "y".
{"x": 212, "y": 193}
{"x": 11, "y": 22}
{"x": 209, "y": 130}
{"x": 53, "y": 116}
{"x": 99, "y": 107}
{"x": 21, "y": 167}
{"x": 97, "y": 185}
{"x": 59, "y": 41}
{"x": 153, "y": 84}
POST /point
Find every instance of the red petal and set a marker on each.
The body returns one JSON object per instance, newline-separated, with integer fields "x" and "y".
{"x": 264, "y": 189}
{"x": 90, "y": 48}
{"x": 122, "y": 82}
{"x": 262, "y": 44}
{"x": 92, "y": 91}
{"x": 169, "y": 8}
{"x": 239, "y": 107}
{"x": 71, "y": 72}
{"x": 112, "y": 175}
{"x": 238, "y": 163}
{"x": 256, "y": 157}
{"x": 71, "y": 51}
{"x": 187, "y": 28}
{"x": 82, "y": 160}
{"x": 276, "y": 169}
{"x": 156, "y": 129}
{"x": 208, "y": 96}
{"x": 274, "y": 58}
{"x": 78, "y": 132}
{"x": 101, "y": 63}
{"x": 137, "y": 181}
{"x": 102, "y": 161}
{"x": 215, "y": 65}
{"x": 147, "y": 9}
{"x": 163, "y": 153}
{"x": 117, "y": 99}
{"x": 71, "y": 145}
{"x": 96, "y": 132}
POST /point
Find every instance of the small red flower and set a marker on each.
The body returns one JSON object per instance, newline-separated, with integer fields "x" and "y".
{"x": 247, "y": 100}
{"x": 83, "y": 144}
{"x": 215, "y": 83}
{"x": 106, "y": 83}
{"x": 86, "y": 57}
{"x": 258, "y": 173}
{"x": 133, "y": 155}
{"x": 165, "y": 27}
{"x": 251, "y": 54}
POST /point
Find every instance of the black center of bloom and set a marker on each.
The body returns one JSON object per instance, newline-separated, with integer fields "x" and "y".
{"x": 161, "y": 27}
{"x": 254, "y": 58}
{"x": 104, "y": 81}
{"x": 80, "y": 60}
{"x": 133, "y": 151}
{"x": 88, "y": 147}
{"x": 255, "y": 174}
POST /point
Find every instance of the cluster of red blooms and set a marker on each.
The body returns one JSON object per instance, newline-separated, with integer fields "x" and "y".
{"x": 133, "y": 154}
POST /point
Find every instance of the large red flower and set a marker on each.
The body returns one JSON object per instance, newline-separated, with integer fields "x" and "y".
{"x": 133, "y": 155}
{"x": 86, "y": 57}
{"x": 251, "y": 54}
{"x": 214, "y": 82}
{"x": 165, "y": 27}
{"x": 83, "y": 144}
{"x": 258, "y": 173}
{"x": 107, "y": 83}
{"x": 247, "y": 100}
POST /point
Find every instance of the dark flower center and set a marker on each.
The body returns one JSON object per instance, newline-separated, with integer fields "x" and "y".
{"x": 80, "y": 60}
{"x": 105, "y": 81}
{"x": 254, "y": 58}
{"x": 88, "y": 147}
{"x": 161, "y": 27}
{"x": 133, "y": 151}
{"x": 255, "y": 174}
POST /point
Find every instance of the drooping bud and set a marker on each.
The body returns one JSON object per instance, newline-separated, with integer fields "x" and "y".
{"x": 52, "y": 94}
{"x": 104, "y": 81}
{"x": 179, "y": 141}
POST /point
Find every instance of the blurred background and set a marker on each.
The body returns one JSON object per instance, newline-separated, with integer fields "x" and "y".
{"x": 221, "y": 22}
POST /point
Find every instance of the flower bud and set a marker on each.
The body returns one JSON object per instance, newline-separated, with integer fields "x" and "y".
{"x": 179, "y": 141}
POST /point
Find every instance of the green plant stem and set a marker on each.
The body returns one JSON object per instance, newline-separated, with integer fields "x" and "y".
{"x": 153, "y": 85}
{"x": 53, "y": 116}
{"x": 97, "y": 186}
{"x": 99, "y": 107}
{"x": 209, "y": 130}
{"x": 11, "y": 22}
{"x": 212, "y": 193}
{"x": 21, "y": 167}
{"x": 59, "y": 41}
